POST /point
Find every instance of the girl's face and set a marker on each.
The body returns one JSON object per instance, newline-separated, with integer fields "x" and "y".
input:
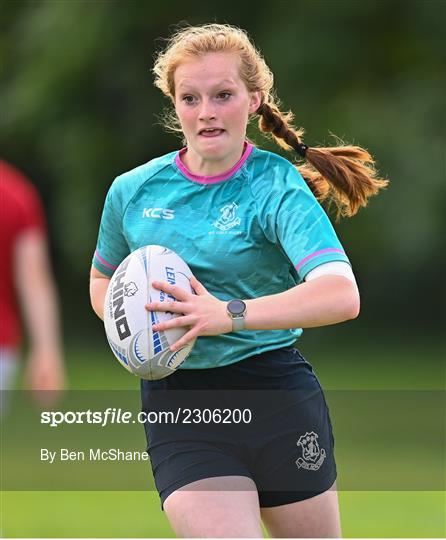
{"x": 213, "y": 106}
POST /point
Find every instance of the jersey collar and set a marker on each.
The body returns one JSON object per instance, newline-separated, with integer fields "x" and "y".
{"x": 216, "y": 178}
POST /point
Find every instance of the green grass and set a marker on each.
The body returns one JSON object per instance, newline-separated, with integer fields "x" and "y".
{"x": 364, "y": 513}
{"x": 137, "y": 514}
{"x": 393, "y": 514}
{"x": 83, "y": 514}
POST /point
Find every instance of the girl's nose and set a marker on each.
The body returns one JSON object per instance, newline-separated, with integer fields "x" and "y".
{"x": 207, "y": 111}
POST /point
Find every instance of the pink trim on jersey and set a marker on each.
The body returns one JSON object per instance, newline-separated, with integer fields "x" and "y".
{"x": 103, "y": 261}
{"x": 212, "y": 179}
{"x": 316, "y": 253}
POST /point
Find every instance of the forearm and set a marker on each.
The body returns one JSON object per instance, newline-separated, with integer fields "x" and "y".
{"x": 98, "y": 290}
{"x": 323, "y": 301}
{"x": 41, "y": 313}
{"x": 37, "y": 292}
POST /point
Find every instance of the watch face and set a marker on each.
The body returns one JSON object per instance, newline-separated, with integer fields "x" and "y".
{"x": 236, "y": 307}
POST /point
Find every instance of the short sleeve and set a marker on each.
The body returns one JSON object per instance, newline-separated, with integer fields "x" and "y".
{"x": 111, "y": 247}
{"x": 32, "y": 213}
{"x": 292, "y": 217}
{"x": 21, "y": 204}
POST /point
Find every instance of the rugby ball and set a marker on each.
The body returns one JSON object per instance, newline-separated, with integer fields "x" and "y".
{"x": 128, "y": 325}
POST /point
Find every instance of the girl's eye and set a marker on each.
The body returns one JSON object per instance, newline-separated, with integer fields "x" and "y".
{"x": 224, "y": 95}
{"x": 188, "y": 99}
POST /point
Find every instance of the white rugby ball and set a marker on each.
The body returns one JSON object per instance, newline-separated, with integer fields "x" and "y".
{"x": 128, "y": 325}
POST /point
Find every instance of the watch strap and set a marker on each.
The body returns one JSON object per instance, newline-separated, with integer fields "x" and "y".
{"x": 238, "y": 323}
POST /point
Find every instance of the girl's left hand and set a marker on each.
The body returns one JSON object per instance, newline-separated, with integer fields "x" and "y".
{"x": 204, "y": 313}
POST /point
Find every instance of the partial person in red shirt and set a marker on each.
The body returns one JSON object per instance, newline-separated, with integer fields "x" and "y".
{"x": 27, "y": 289}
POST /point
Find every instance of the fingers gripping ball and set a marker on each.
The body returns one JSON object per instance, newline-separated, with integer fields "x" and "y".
{"x": 128, "y": 325}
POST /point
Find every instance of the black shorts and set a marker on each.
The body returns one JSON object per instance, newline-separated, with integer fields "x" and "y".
{"x": 264, "y": 417}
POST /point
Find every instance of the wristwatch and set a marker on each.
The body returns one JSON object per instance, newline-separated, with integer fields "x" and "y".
{"x": 237, "y": 310}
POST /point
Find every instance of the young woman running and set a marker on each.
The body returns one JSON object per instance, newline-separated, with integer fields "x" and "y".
{"x": 266, "y": 263}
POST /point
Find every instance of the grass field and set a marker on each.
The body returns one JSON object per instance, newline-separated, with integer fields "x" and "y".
{"x": 137, "y": 513}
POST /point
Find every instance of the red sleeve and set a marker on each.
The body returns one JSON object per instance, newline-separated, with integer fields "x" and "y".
{"x": 21, "y": 201}
{"x": 20, "y": 211}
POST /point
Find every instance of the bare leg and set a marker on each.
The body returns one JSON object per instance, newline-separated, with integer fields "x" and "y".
{"x": 226, "y": 506}
{"x": 315, "y": 517}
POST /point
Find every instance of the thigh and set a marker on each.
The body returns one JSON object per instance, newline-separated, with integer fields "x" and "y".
{"x": 316, "y": 517}
{"x": 186, "y": 452}
{"x": 292, "y": 449}
{"x": 226, "y": 506}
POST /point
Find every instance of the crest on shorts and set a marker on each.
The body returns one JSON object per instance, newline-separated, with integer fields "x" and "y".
{"x": 312, "y": 454}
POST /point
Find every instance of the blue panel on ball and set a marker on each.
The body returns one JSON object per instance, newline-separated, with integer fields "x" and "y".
{"x": 118, "y": 354}
{"x": 142, "y": 255}
{"x": 138, "y": 352}
{"x": 157, "y": 347}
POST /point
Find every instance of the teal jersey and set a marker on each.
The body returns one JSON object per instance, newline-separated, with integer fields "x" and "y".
{"x": 256, "y": 230}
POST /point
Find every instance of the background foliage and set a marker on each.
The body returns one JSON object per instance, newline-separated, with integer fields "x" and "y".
{"x": 79, "y": 108}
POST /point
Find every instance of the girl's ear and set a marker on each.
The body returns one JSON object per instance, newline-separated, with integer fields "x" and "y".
{"x": 254, "y": 102}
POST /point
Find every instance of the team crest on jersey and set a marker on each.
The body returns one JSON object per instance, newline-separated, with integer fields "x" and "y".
{"x": 228, "y": 218}
{"x": 312, "y": 455}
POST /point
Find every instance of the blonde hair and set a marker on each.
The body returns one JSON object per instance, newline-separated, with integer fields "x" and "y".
{"x": 343, "y": 174}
